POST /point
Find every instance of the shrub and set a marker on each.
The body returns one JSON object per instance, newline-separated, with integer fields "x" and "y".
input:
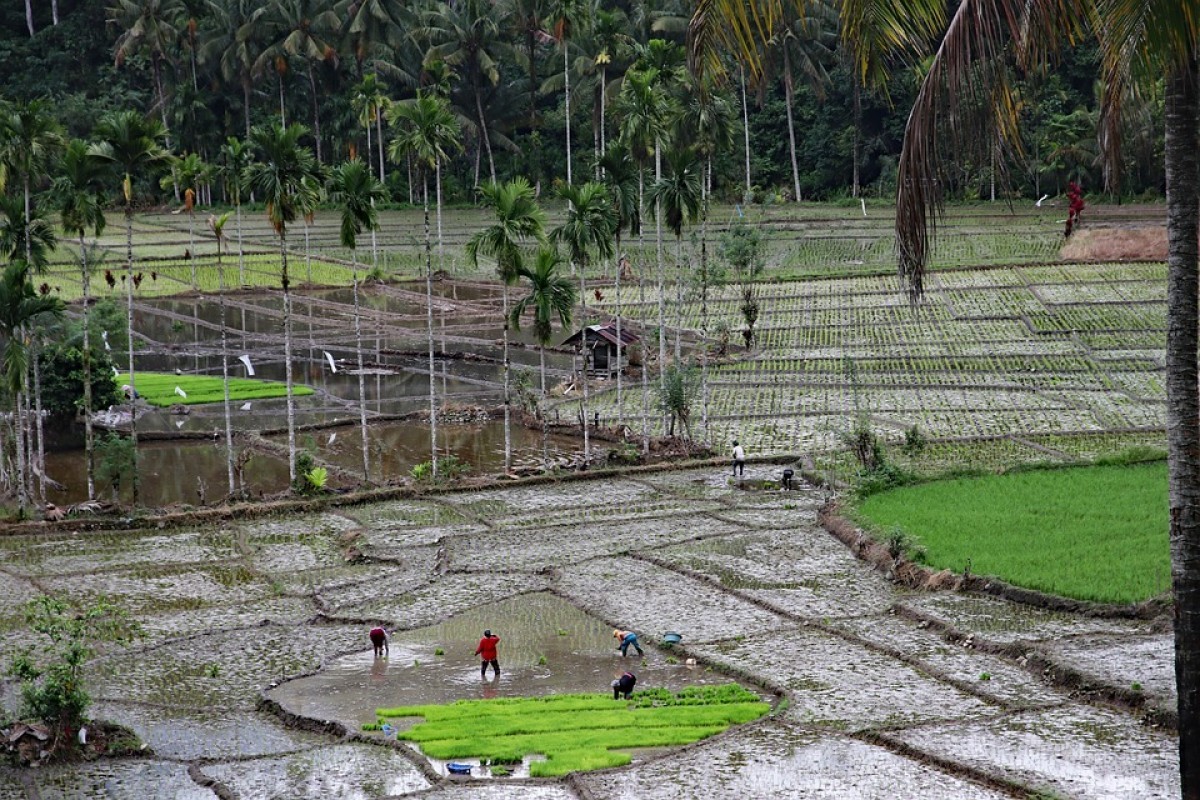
{"x": 914, "y": 441}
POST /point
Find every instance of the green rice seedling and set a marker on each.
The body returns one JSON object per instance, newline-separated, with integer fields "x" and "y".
{"x": 575, "y": 732}
{"x": 1092, "y": 533}
{"x": 158, "y": 389}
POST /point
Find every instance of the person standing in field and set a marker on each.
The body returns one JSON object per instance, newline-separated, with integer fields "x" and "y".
{"x": 739, "y": 459}
{"x": 379, "y": 640}
{"x": 487, "y": 654}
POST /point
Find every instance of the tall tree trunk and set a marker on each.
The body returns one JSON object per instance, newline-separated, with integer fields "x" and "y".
{"x": 583, "y": 404}
{"x": 282, "y": 109}
{"x": 1183, "y": 404}
{"x": 642, "y": 307}
{"x": 379, "y": 139}
{"x": 746, "y": 198}
{"x": 29, "y": 17}
{"x": 507, "y": 397}
{"x": 856, "y": 156}
{"x": 678, "y": 300}
{"x": 285, "y": 280}
{"x": 362, "y": 385}
{"x": 441, "y": 248}
{"x": 22, "y": 474}
{"x": 246, "y": 86}
{"x": 312, "y": 84}
{"x": 662, "y": 300}
{"x": 790, "y": 91}
{"x": 136, "y": 482}
{"x": 704, "y": 298}
{"x": 620, "y": 370}
{"x": 567, "y": 104}
{"x": 192, "y": 243}
{"x": 89, "y": 441}
{"x": 433, "y": 459}
{"x": 603, "y": 86}
{"x": 229, "y": 471}
{"x": 28, "y": 234}
{"x": 37, "y": 419}
{"x": 237, "y": 207}
{"x": 483, "y": 133}
{"x": 54, "y": 11}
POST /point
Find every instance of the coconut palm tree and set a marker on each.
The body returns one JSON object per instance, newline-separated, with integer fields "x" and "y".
{"x": 427, "y": 132}
{"x": 147, "y": 26}
{"x": 567, "y": 16}
{"x": 233, "y": 161}
{"x": 285, "y": 175}
{"x": 520, "y": 221}
{"x": 20, "y": 308}
{"x": 78, "y": 191}
{"x": 354, "y": 189}
{"x": 133, "y": 145}
{"x": 621, "y": 175}
{"x": 233, "y": 45}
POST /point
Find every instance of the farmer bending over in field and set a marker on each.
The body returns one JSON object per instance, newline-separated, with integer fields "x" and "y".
{"x": 624, "y": 685}
{"x": 625, "y": 640}
{"x": 379, "y": 640}
{"x": 739, "y": 459}
{"x": 487, "y": 654}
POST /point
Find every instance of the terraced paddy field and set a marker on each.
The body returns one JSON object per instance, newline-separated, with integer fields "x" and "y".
{"x": 256, "y": 676}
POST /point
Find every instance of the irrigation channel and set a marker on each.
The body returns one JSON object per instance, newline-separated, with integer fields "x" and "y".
{"x": 256, "y": 673}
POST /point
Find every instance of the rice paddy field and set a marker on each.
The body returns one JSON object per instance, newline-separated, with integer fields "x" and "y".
{"x": 159, "y": 389}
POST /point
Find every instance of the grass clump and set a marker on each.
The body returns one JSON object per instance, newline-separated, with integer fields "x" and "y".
{"x": 576, "y": 732}
{"x": 1093, "y": 533}
{"x": 158, "y": 389}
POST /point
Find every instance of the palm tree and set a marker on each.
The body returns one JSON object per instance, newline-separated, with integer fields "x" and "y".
{"x": 133, "y": 145}
{"x": 519, "y": 221}
{"x": 1141, "y": 42}
{"x": 370, "y": 102}
{"x": 20, "y": 308}
{"x": 588, "y": 229}
{"x": 466, "y": 36}
{"x": 355, "y": 190}
{"x": 526, "y": 20}
{"x": 188, "y": 173}
{"x": 550, "y": 293}
{"x": 234, "y": 161}
{"x": 567, "y": 16}
{"x": 622, "y": 177}
{"x": 643, "y": 108}
{"x": 300, "y": 29}
{"x": 676, "y": 196}
{"x": 78, "y": 191}
{"x": 284, "y": 176}
{"x": 234, "y": 45}
{"x": 217, "y": 225}
{"x": 147, "y": 26}
{"x": 31, "y": 241}
{"x": 30, "y": 142}
{"x": 427, "y": 131}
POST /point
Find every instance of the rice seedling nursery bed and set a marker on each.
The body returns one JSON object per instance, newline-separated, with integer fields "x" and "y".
{"x": 1091, "y": 533}
{"x": 158, "y": 389}
{"x": 577, "y": 732}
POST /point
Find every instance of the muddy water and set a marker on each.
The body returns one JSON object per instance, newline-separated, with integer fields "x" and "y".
{"x": 547, "y": 646}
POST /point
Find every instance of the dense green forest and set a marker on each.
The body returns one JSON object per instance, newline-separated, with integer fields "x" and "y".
{"x": 210, "y": 69}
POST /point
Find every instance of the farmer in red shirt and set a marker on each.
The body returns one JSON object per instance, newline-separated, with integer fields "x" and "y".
{"x": 379, "y": 640}
{"x": 487, "y": 654}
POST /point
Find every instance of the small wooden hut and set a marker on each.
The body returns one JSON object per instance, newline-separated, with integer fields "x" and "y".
{"x": 600, "y": 344}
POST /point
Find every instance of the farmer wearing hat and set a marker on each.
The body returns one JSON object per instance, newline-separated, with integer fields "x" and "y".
{"x": 487, "y": 654}
{"x": 625, "y": 640}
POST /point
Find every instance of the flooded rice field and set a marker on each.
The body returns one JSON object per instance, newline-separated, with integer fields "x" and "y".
{"x": 255, "y": 674}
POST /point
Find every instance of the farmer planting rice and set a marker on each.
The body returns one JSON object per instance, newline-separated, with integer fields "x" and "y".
{"x": 625, "y": 640}
{"x": 624, "y": 685}
{"x": 379, "y": 640}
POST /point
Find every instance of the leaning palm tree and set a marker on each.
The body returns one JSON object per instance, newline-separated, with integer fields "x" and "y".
{"x": 588, "y": 230}
{"x": 285, "y": 177}
{"x": 1142, "y": 43}
{"x": 427, "y": 132}
{"x": 133, "y": 144}
{"x": 550, "y": 293}
{"x": 78, "y": 193}
{"x": 20, "y": 308}
{"x": 519, "y": 221}
{"x": 621, "y": 176}
{"x": 354, "y": 189}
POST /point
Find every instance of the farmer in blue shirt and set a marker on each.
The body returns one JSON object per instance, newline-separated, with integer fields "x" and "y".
{"x": 627, "y": 639}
